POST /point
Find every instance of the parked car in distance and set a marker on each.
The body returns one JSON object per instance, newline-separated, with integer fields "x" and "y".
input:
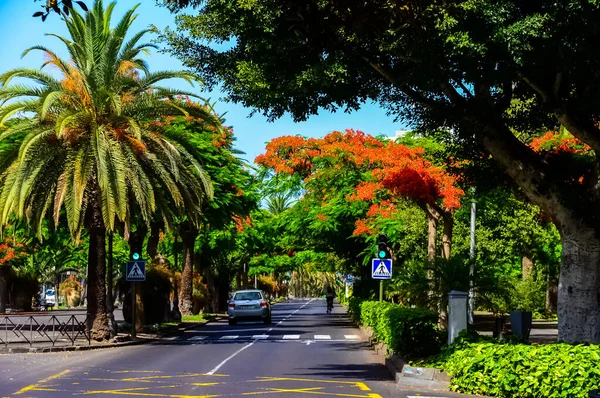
{"x": 248, "y": 305}
{"x": 49, "y": 299}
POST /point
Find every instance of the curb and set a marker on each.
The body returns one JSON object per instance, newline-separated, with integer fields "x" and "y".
{"x": 403, "y": 374}
{"x": 139, "y": 341}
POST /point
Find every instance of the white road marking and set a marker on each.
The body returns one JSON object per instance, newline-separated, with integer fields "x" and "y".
{"x": 198, "y": 337}
{"x": 229, "y": 357}
{"x": 228, "y": 337}
{"x": 291, "y": 336}
{"x": 171, "y": 338}
{"x": 352, "y": 337}
{"x": 260, "y": 336}
{"x": 322, "y": 337}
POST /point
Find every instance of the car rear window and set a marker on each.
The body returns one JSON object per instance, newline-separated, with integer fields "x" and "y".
{"x": 247, "y": 296}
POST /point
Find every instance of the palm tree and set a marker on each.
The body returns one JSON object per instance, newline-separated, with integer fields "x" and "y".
{"x": 278, "y": 203}
{"x": 90, "y": 147}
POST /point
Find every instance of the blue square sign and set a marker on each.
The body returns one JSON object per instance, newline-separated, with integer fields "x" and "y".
{"x": 381, "y": 268}
{"x": 135, "y": 271}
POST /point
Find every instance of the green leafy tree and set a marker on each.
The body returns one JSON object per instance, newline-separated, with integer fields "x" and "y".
{"x": 87, "y": 148}
{"x": 233, "y": 188}
{"x": 495, "y": 71}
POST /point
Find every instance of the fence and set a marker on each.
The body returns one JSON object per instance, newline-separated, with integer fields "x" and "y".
{"x": 43, "y": 329}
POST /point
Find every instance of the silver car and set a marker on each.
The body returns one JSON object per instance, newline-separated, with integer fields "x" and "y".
{"x": 248, "y": 305}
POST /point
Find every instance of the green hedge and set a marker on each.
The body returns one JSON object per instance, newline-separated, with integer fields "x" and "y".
{"x": 408, "y": 332}
{"x": 525, "y": 371}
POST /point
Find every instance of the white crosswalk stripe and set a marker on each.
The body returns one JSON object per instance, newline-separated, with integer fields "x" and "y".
{"x": 260, "y": 336}
{"x": 197, "y": 338}
{"x": 322, "y": 337}
{"x": 291, "y": 336}
{"x": 352, "y": 337}
{"x": 228, "y": 337}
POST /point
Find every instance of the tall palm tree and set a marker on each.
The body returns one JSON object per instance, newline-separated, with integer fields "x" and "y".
{"x": 84, "y": 143}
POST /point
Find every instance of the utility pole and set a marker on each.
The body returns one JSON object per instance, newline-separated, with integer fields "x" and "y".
{"x": 472, "y": 260}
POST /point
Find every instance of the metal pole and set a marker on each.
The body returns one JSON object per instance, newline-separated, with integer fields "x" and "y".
{"x": 255, "y": 282}
{"x": 381, "y": 290}
{"x": 472, "y": 263}
{"x": 133, "y": 314}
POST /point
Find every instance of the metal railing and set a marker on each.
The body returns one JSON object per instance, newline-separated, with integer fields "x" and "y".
{"x": 39, "y": 329}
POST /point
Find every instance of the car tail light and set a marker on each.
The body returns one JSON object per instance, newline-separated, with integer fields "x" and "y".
{"x": 263, "y": 303}
{"x": 231, "y": 305}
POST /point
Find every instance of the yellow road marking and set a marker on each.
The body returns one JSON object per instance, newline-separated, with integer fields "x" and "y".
{"x": 129, "y": 391}
{"x": 215, "y": 374}
{"x": 262, "y": 379}
{"x": 135, "y": 371}
{"x": 36, "y": 385}
{"x": 362, "y": 386}
{"x": 210, "y": 383}
{"x": 295, "y": 389}
{"x": 44, "y": 389}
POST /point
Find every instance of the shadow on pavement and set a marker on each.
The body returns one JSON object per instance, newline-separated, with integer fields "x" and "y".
{"x": 369, "y": 372}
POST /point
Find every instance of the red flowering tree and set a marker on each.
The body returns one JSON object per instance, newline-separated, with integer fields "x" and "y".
{"x": 10, "y": 250}
{"x": 388, "y": 171}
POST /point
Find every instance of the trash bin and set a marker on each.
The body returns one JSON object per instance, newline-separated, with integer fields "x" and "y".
{"x": 594, "y": 394}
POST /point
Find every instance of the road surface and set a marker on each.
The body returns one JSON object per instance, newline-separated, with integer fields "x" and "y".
{"x": 304, "y": 352}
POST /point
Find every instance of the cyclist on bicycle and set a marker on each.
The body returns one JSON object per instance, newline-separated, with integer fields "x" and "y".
{"x": 329, "y": 295}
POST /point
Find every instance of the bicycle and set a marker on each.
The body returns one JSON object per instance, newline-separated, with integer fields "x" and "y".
{"x": 329, "y": 304}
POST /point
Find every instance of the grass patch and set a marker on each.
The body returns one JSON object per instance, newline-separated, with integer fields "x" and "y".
{"x": 196, "y": 318}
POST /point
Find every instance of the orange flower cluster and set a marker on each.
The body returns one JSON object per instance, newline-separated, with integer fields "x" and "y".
{"x": 242, "y": 223}
{"x": 321, "y": 217}
{"x": 9, "y": 252}
{"x": 557, "y": 143}
{"x": 400, "y": 169}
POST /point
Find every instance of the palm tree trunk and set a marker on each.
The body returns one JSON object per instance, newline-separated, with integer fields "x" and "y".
{"x": 97, "y": 319}
{"x": 188, "y": 237}
{"x": 110, "y": 301}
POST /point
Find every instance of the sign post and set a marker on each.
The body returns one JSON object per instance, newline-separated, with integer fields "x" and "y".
{"x": 135, "y": 272}
{"x": 381, "y": 269}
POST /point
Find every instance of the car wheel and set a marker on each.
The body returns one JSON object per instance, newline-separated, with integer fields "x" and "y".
{"x": 232, "y": 322}
{"x": 268, "y": 320}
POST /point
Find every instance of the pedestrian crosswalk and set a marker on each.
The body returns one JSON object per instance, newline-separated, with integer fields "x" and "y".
{"x": 277, "y": 337}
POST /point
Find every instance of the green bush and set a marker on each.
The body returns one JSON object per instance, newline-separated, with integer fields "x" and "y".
{"x": 408, "y": 332}
{"x": 529, "y": 295}
{"x": 525, "y": 371}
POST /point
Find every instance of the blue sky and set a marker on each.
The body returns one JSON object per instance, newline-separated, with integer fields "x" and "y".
{"x": 19, "y": 31}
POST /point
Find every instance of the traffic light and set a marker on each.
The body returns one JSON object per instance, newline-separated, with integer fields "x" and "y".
{"x": 382, "y": 247}
{"x": 136, "y": 243}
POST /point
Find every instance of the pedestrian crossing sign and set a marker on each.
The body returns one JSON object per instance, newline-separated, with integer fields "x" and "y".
{"x": 381, "y": 268}
{"x": 136, "y": 271}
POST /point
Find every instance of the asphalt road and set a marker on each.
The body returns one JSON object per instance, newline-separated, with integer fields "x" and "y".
{"x": 304, "y": 352}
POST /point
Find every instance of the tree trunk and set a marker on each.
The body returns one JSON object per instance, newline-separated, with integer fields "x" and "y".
{"x": 527, "y": 266}
{"x": 551, "y": 296}
{"x": 152, "y": 244}
{"x": 432, "y": 222}
{"x": 97, "y": 319}
{"x": 447, "y": 235}
{"x": 110, "y": 301}
{"x": 188, "y": 237}
{"x": 579, "y": 286}
{"x": 3, "y": 288}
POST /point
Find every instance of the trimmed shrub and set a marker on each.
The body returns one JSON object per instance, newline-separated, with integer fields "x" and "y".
{"x": 525, "y": 371}
{"x": 408, "y": 332}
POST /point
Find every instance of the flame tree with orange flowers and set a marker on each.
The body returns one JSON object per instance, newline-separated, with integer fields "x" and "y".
{"x": 387, "y": 171}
